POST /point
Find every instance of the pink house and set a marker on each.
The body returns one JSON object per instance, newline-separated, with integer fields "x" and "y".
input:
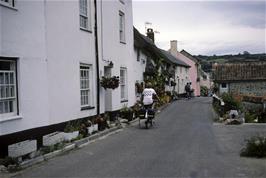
{"x": 194, "y": 75}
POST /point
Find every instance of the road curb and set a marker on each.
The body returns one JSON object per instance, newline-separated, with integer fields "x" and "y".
{"x": 76, "y": 144}
{"x": 79, "y": 143}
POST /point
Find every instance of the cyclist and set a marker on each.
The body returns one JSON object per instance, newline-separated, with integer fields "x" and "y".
{"x": 148, "y": 95}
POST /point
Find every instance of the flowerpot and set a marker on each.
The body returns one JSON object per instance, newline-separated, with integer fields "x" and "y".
{"x": 90, "y": 129}
{"x": 71, "y": 135}
{"x": 95, "y": 128}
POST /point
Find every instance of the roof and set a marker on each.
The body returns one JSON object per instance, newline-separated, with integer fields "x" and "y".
{"x": 240, "y": 71}
{"x": 187, "y": 54}
{"x": 143, "y": 42}
{"x": 173, "y": 59}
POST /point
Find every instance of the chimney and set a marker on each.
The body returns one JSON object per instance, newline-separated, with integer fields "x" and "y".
{"x": 173, "y": 47}
{"x": 150, "y": 34}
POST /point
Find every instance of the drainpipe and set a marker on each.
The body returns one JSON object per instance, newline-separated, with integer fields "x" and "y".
{"x": 97, "y": 58}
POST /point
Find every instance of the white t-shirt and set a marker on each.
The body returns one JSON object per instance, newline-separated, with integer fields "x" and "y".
{"x": 148, "y": 95}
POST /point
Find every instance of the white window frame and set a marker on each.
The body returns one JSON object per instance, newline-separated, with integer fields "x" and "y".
{"x": 8, "y": 91}
{"x": 86, "y": 87}
{"x": 8, "y": 3}
{"x": 123, "y": 84}
{"x": 85, "y": 14}
{"x": 122, "y": 34}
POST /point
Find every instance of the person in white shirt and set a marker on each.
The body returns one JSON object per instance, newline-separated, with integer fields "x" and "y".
{"x": 148, "y": 95}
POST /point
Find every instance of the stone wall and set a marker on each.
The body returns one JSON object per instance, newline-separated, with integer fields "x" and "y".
{"x": 256, "y": 88}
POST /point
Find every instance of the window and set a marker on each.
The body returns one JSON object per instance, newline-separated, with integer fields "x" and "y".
{"x": 223, "y": 85}
{"x": 84, "y": 14}
{"x": 85, "y": 86}
{"x": 122, "y": 27}
{"x": 122, "y": 1}
{"x": 123, "y": 82}
{"x": 8, "y": 88}
{"x": 10, "y": 3}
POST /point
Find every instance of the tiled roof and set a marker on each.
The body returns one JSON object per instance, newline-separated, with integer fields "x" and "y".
{"x": 240, "y": 71}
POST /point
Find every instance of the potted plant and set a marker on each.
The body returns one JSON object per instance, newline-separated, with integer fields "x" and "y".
{"x": 136, "y": 108}
{"x": 90, "y": 127}
{"x": 126, "y": 113}
{"x": 110, "y": 82}
{"x": 70, "y": 132}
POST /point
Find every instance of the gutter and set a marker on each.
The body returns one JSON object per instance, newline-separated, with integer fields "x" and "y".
{"x": 97, "y": 58}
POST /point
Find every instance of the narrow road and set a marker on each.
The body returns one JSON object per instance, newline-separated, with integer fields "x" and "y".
{"x": 183, "y": 143}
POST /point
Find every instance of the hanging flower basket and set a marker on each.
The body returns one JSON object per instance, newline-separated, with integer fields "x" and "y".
{"x": 110, "y": 82}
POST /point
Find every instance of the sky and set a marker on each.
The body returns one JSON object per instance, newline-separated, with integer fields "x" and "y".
{"x": 205, "y": 27}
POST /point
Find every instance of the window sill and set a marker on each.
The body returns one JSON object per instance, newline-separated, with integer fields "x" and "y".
{"x": 123, "y": 42}
{"x": 123, "y": 101}
{"x": 11, "y": 118}
{"x": 86, "y": 30}
{"x": 87, "y": 108}
{"x": 8, "y": 6}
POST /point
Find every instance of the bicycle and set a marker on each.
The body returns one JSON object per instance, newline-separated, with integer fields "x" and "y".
{"x": 147, "y": 113}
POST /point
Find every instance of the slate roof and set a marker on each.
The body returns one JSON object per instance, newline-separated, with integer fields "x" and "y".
{"x": 173, "y": 59}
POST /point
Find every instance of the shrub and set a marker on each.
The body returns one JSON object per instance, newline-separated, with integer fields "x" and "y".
{"x": 250, "y": 117}
{"x": 255, "y": 147}
{"x": 203, "y": 91}
{"x": 8, "y": 161}
{"x": 71, "y": 127}
{"x": 126, "y": 113}
{"x": 230, "y": 102}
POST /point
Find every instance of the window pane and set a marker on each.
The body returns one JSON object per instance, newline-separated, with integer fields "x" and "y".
{"x": 12, "y": 78}
{"x": 10, "y": 106}
{"x": 12, "y": 92}
{"x": 7, "y": 92}
{"x": 6, "y": 107}
{"x": 6, "y": 78}
{"x": 1, "y": 107}
{"x": 4, "y": 65}
{"x": 2, "y": 92}
{"x": 1, "y": 78}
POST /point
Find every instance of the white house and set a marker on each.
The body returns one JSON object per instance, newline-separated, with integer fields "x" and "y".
{"x": 146, "y": 55}
{"x": 52, "y": 57}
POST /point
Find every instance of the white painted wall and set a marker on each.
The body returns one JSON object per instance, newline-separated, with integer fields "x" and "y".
{"x": 138, "y": 68}
{"x": 182, "y": 78}
{"x": 23, "y": 37}
{"x": 223, "y": 89}
{"x": 46, "y": 38}
{"x": 112, "y": 50}
{"x": 67, "y": 47}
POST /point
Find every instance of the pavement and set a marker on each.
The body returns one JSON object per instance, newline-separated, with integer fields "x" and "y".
{"x": 184, "y": 142}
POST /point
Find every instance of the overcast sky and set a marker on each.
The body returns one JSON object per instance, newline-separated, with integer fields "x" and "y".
{"x": 205, "y": 27}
